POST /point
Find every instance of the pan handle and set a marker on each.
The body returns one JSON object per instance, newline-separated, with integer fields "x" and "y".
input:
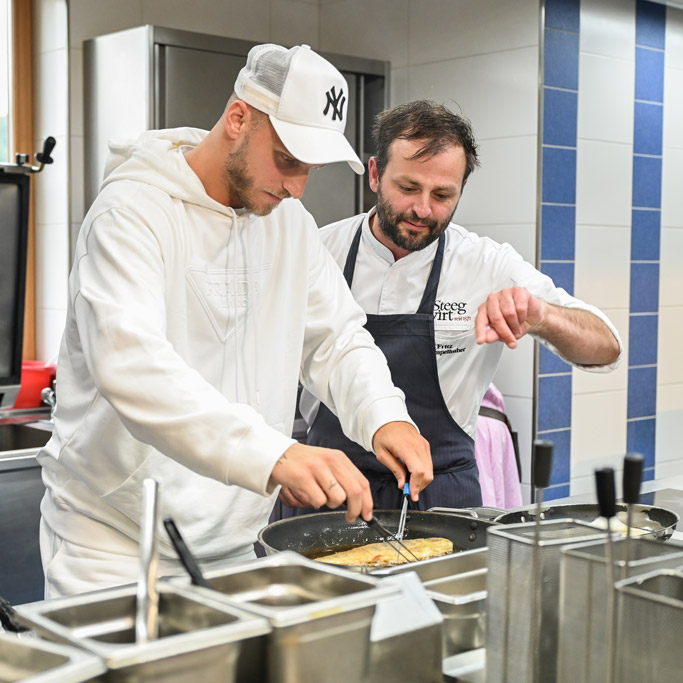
{"x": 468, "y": 512}
{"x": 481, "y": 512}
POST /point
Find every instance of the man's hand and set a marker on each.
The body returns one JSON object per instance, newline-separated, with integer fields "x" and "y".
{"x": 580, "y": 336}
{"x": 508, "y": 315}
{"x": 313, "y": 477}
{"x": 398, "y": 445}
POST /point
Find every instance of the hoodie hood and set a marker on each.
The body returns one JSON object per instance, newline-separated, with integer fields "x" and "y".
{"x": 156, "y": 158}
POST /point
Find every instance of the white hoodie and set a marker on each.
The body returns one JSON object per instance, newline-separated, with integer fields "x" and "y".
{"x": 188, "y": 328}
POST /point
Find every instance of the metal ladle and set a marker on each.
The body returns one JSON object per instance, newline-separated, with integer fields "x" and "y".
{"x": 604, "y": 484}
{"x": 541, "y": 467}
{"x": 147, "y": 603}
{"x": 633, "y": 472}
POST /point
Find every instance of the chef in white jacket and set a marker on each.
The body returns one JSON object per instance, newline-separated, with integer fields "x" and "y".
{"x": 443, "y": 302}
{"x": 200, "y": 295}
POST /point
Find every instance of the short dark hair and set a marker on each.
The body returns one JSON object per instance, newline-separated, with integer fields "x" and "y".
{"x": 423, "y": 120}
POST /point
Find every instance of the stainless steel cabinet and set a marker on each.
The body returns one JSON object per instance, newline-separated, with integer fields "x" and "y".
{"x": 21, "y": 490}
{"x": 152, "y": 77}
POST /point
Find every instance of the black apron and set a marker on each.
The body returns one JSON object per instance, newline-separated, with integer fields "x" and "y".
{"x": 407, "y": 341}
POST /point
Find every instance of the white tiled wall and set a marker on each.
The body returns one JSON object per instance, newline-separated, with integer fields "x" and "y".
{"x": 483, "y": 55}
{"x": 50, "y": 59}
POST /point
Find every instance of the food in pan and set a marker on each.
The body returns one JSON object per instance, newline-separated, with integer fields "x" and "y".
{"x": 641, "y": 524}
{"x": 387, "y": 554}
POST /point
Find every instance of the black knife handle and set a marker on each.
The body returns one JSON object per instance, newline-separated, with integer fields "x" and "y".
{"x": 633, "y": 474}
{"x": 542, "y": 463}
{"x": 604, "y": 485}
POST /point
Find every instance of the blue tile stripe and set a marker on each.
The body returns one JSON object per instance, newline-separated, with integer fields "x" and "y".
{"x": 558, "y": 221}
{"x": 646, "y": 232}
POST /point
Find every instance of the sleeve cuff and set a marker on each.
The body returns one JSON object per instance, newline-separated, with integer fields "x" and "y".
{"x": 379, "y": 413}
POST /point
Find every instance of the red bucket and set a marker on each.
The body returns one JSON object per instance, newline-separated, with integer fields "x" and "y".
{"x": 36, "y": 375}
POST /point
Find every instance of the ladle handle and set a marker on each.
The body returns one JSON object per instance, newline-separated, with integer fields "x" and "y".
{"x": 607, "y": 499}
{"x": 147, "y": 612}
{"x": 543, "y": 462}
{"x": 186, "y": 557}
{"x": 633, "y": 472}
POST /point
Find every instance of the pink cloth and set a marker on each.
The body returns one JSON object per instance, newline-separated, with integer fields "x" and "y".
{"x": 495, "y": 455}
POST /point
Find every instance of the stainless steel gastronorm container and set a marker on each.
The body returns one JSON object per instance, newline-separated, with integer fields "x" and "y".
{"x": 523, "y": 585}
{"x": 461, "y": 603}
{"x": 650, "y": 624}
{"x": 33, "y": 660}
{"x": 198, "y": 640}
{"x": 461, "y": 599}
{"x": 585, "y": 622}
{"x": 320, "y": 615}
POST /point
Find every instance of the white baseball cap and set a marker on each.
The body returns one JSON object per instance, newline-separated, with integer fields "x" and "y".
{"x": 306, "y": 99}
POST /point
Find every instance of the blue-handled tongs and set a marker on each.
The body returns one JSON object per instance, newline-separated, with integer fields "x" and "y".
{"x": 404, "y": 512}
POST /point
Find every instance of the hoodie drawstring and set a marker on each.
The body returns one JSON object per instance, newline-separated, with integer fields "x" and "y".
{"x": 252, "y": 299}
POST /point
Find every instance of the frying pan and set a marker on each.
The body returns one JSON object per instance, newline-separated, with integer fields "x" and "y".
{"x": 328, "y": 531}
{"x": 590, "y": 512}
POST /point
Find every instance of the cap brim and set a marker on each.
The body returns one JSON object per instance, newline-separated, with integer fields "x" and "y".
{"x": 314, "y": 145}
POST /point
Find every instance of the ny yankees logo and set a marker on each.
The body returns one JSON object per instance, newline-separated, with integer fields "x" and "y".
{"x": 337, "y": 102}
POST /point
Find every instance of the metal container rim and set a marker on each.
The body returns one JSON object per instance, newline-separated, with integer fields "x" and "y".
{"x": 507, "y": 531}
{"x": 117, "y": 655}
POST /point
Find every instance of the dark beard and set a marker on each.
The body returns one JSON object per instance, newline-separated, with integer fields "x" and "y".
{"x": 410, "y": 240}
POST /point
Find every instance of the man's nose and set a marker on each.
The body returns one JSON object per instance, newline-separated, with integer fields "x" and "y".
{"x": 296, "y": 185}
{"x": 422, "y": 206}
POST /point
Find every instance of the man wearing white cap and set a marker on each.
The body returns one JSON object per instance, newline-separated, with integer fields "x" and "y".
{"x": 200, "y": 296}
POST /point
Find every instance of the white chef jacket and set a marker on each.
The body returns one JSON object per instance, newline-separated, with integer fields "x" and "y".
{"x": 473, "y": 267}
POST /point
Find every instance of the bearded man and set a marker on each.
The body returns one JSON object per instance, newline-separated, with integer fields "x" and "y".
{"x": 442, "y": 302}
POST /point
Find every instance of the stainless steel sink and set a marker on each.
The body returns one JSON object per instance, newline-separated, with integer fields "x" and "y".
{"x": 19, "y": 437}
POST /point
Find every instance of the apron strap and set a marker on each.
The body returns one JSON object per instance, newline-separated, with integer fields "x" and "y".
{"x": 350, "y": 264}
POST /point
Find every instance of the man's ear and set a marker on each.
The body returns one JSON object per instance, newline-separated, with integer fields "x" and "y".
{"x": 235, "y": 119}
{"x": 373, "y": 174}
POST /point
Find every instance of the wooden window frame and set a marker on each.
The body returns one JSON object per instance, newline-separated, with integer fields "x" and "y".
{"x": 22, "y": 141}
